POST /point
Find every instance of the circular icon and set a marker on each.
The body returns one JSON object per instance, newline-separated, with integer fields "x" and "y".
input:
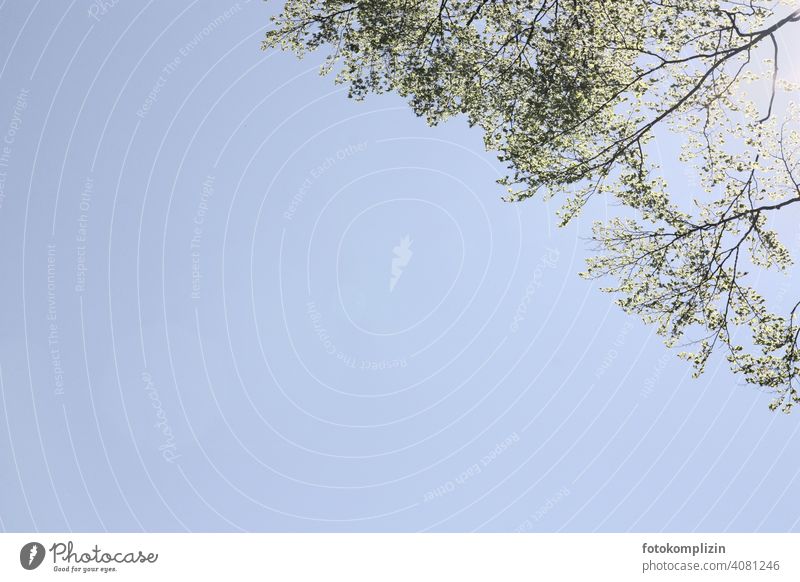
{"x": 31, "y": 555}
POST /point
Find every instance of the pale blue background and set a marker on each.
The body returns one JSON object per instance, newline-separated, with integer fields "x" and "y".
{"x": 605, "y": 429}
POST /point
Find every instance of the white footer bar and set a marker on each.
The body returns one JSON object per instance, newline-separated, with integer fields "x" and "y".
{"x": 400, "y": 557}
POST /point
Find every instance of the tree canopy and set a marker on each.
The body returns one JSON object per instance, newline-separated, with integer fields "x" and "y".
{"x": 571, "y": 94}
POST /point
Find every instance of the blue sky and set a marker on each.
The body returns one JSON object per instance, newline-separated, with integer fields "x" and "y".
{"x": 236, "y": 300}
